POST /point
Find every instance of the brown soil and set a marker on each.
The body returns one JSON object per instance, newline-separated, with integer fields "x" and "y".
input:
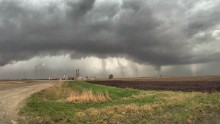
{"x": 204, "y": 84}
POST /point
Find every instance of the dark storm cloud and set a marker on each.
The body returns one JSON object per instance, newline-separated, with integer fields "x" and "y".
{"x": 145, "y": 31}
{"x": 79, "y": 9}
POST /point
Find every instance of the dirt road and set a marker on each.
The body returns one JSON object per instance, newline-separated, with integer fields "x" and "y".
{"x": 11, "y": 97}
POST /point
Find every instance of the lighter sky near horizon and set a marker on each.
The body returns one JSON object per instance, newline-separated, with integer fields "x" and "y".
{"x": 127, "y": 38}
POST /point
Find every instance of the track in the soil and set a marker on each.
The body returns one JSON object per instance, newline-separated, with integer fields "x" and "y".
{"x": 204, "y": 84}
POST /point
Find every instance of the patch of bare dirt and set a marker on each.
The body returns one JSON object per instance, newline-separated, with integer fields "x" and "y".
{"x": 12, "y": 94}
{"x": 200, "y": 83}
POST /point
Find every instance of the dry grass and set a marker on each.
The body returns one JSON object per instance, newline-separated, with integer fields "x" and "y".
{"x": 56, "y": 92}
{"x": 177, "y": 98}
{"x": 125, "y": 114}
{"x": 88, "y": 96}
{"x": 62, "y": 93}
{"x": 172, "y": 108}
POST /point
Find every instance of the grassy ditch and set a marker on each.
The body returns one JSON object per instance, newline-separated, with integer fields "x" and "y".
{"x": 81, "y": 102}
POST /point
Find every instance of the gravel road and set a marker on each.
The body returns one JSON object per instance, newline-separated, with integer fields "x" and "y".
{"x": 12, "y": 94}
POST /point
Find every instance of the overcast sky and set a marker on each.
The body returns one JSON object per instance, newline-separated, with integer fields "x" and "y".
{"x": 124, "y": 37}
